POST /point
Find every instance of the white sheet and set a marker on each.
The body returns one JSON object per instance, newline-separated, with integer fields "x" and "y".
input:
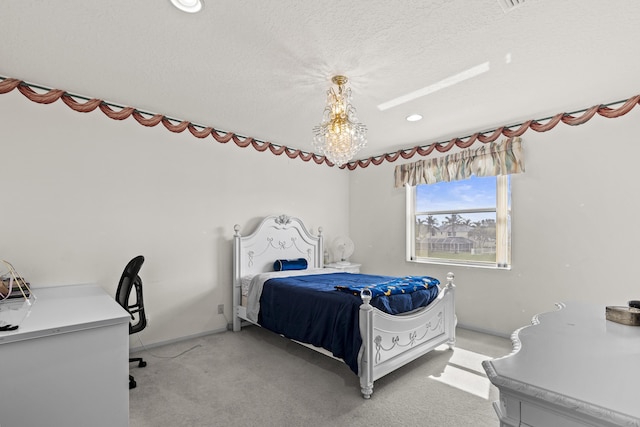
{"x": 255, "y": 287}
{"x": 245, "y": 282}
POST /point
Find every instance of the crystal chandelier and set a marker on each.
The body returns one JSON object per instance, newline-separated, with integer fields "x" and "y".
{"x": 339, "y": 136}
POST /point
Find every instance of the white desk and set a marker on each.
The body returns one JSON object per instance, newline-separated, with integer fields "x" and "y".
{"x": 571, "y": 368}
{"x": 67, "y": 363}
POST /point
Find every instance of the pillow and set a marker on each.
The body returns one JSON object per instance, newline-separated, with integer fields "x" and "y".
{"x": 290, "y": 264}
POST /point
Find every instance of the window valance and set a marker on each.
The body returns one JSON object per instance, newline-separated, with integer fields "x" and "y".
{"x": 496, "y": 158}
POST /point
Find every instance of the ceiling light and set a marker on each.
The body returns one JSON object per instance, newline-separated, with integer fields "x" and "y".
{"x": 191, "y": 6}
{"x": 339, "y": 136}
{"x": 414, "y": 118}
{"x": 449, "y": 81}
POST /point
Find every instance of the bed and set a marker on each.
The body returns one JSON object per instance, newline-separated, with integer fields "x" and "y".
{"x": 376, "y": 342}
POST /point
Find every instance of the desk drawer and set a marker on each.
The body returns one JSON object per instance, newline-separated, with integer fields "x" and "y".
{"x": 508, "y": 410}
{"x": 538, "y": 416}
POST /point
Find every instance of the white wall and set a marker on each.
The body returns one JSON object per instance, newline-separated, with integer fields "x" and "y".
{"x": 575, "y": 227}
{"x": 83, "y": 194}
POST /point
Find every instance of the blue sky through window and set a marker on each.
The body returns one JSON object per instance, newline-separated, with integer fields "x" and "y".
{"x": 473, "y": 193}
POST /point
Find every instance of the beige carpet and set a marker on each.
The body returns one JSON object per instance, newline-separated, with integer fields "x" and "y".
{"x": 257, "y": 378}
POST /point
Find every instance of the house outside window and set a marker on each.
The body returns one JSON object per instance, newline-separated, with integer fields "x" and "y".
{"x": 466, "y": 222}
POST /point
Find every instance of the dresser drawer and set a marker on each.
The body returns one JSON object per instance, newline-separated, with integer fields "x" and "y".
{"x": 508, "y": 410}
{"x": 538, "y": 416}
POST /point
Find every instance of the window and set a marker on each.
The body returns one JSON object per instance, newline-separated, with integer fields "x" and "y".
{"x": 459, "y": 205}
{"x": 463, "y": 222}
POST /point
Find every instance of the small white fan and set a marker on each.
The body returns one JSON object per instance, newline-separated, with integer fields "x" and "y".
{"x": 342, "y": 249}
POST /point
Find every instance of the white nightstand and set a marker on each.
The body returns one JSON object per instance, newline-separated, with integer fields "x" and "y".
{"x": 347, "y": 268}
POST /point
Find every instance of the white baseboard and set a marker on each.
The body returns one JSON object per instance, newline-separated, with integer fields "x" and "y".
{"x": 229, "y": 327}
{"x": 483, "y": 331}
{"x": 172, "y": 341}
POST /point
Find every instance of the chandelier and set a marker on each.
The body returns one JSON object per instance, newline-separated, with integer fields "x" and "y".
{"x": 339, "y": 136}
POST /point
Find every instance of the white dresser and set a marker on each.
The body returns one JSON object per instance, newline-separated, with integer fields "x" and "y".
{"x": 68, "y": 362}
{"x": 570, "y": 368}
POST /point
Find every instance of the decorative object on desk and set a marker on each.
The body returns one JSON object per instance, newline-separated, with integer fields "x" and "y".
{"x": 625, "y": 315}
{"x": 8, "y": 327}
{"x": 342, "y": 249}
{"x": 13, "y": 285}
{"x": 12, "y": 313}
{"x": 15, "y": 295}
{"x": 9, "y": 291}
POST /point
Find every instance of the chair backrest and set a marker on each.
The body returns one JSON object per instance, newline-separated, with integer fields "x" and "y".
{"x": 128, "y": 281}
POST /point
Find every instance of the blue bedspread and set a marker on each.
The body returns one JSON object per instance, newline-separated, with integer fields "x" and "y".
{"x": 310, "y": 309}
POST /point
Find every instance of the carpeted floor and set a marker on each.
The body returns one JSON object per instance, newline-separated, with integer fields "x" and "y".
{"x": 257, "y": 378}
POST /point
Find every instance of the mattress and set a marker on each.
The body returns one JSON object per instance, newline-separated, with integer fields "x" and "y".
{"x": 306, "y": 306}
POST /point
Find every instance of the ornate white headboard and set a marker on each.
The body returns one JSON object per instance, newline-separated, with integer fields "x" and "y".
{"x": 277, "y": 237}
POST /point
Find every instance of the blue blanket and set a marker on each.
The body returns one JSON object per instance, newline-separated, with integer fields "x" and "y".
{"x": 310, "y": 309}
{"x": 394, "y": 286}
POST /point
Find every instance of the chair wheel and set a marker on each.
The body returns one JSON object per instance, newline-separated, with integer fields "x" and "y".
{"x": 132, "y": 384}
{"x": 142, "y": 364}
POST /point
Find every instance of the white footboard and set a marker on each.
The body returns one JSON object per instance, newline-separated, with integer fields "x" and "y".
{"x": 389, "y": 342}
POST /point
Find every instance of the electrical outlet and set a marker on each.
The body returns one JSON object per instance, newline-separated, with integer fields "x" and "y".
{"x": 220, "y": 308}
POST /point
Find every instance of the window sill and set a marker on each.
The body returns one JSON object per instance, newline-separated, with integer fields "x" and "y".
{"x": 459, "y": 264}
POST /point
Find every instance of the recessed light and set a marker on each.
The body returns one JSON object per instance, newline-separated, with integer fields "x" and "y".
{"x": 191, "y": 6}
{"x": 414, "y": 118}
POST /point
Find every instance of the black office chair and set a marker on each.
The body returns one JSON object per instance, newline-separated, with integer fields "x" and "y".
{"x": 128, "y": 281}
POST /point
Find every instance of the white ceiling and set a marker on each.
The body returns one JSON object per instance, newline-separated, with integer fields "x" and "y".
{"x": 261, "y": 68}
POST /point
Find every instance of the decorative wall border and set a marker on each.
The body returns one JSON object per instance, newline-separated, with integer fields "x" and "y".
{"x": 117, "y": 112}
{"x": 82, "y": 104}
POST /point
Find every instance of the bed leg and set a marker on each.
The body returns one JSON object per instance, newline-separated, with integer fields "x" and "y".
{"x": 236, "y": 285}
{"x": 367, "y": 391}
{"x": 452, "y": 307}
{"x": 236, "y": 323}
{"x": 365, "y": 365}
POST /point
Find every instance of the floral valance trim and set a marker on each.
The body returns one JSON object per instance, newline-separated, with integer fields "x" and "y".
{"x": 497, "y": 158}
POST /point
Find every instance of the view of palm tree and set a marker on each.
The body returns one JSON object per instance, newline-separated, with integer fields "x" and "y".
{"x": 457, "y": 220}
{"x": 456, "y": 237}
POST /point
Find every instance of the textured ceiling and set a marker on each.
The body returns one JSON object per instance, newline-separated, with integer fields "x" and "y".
{"x": 261, "y": 68}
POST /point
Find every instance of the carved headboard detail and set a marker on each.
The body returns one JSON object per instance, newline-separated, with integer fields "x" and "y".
{"x": 276, "y": 237}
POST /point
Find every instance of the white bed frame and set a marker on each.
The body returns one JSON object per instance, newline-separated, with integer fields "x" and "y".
{"x": 388, "y": 341}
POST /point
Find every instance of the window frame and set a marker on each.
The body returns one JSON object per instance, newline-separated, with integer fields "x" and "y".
{"x": 503, "y": 228}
